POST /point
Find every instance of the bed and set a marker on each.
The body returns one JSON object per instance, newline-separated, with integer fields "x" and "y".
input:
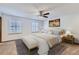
{"x": 43, "y": 41}
{"x": 50, "y": 38}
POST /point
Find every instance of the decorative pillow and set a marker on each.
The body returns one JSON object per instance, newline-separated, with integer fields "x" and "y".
{"x": 61, "y": 32}
{"x": 55, "y": 32}
{"x": 58, "y": 31}
{"x": 46, "y": 31}
{"x": 43, "y": 31}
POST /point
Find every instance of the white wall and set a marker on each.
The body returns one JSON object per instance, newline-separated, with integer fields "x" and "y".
{"x": 71, "y": 22}
{"x": 26, "y": 27}
{"x": 26, "y": 23}
{"x": 68, "y": 22}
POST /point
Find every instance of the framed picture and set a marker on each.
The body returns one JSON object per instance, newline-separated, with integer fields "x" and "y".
{"x": 54, "y": 23}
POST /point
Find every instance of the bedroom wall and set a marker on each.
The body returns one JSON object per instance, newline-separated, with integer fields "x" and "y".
{"x": 68, "y": 22}
{"x": 26, "y": 28}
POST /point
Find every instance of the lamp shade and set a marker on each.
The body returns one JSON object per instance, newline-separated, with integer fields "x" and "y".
{"x": 68, "y": 33}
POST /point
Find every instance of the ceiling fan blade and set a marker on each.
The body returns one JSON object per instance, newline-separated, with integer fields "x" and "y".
{"x": 46, "y": 13}
{"x": 45, "y": 16}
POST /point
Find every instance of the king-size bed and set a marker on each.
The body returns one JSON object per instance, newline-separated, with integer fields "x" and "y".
{"x": 44, "y": 41}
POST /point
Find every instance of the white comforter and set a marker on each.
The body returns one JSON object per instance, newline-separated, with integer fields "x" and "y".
{"x": 51, "y": 39}
{"x": 41, "y": 40}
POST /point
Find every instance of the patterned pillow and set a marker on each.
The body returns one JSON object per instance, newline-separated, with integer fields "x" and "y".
{"x": 61, "y": 32}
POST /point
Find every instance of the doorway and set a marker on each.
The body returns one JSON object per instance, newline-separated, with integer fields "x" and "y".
{"x": 0, "y": 29}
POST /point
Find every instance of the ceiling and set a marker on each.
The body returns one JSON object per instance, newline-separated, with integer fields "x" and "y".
{"x": 32, "y": 9}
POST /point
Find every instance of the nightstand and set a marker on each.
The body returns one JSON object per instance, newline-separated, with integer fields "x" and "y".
{"x": 68, "y": 39}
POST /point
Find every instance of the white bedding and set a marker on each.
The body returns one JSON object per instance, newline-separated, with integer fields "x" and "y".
{"x": 42, "y": 45}
{"x": 41, "y": 40}
{"x": 51, "y": 39}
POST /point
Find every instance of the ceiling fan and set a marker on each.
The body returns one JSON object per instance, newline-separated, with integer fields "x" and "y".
{"x": 44, "y": 14}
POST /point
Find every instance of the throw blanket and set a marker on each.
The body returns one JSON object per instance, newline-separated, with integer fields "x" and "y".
{"x": 42, "y": 45}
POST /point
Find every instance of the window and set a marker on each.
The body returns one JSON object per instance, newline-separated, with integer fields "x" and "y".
{"x": 35, "y": 26}
{"x": 15, "y": 26}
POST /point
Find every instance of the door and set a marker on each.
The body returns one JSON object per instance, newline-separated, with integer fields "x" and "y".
{"x": 0, "y": 29}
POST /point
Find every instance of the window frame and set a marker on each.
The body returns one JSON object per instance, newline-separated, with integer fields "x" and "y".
{"x": 35, "y": 26}
{"x": 14, "y": 26}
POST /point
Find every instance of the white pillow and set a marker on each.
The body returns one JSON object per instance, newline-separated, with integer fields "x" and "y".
{"x": 51, "y": 31}
{"x": 55, "y": 32}
{"x": 43, "y": 31}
